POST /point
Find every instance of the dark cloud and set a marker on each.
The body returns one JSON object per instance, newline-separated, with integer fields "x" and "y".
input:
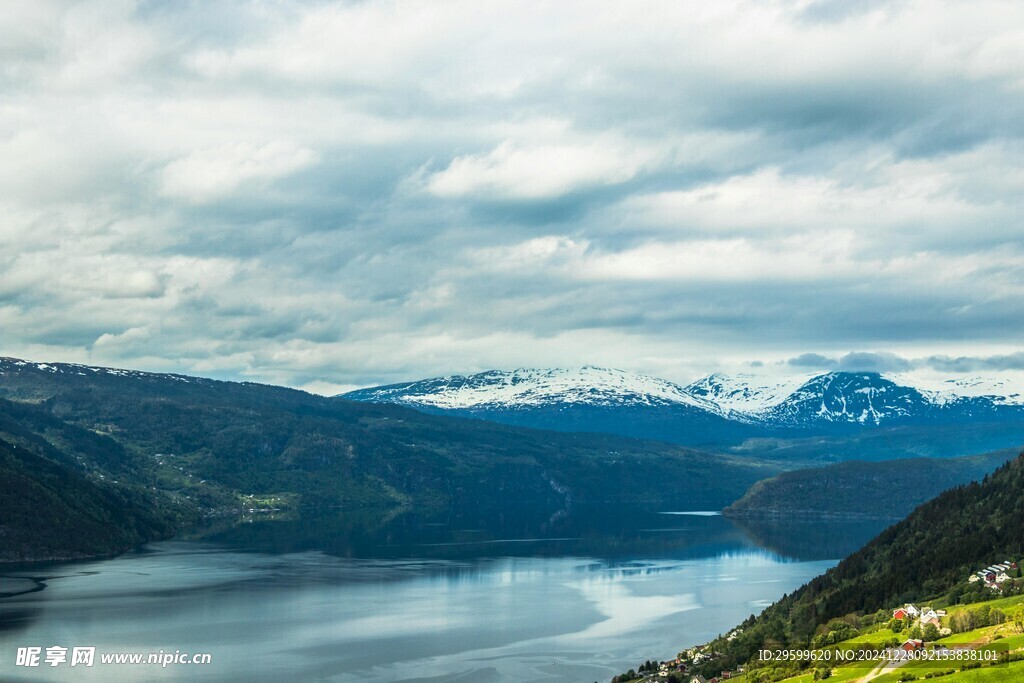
{"x": 813, "y": 361}
{"x": 1013, "y": 361}
{"x": 863, "y": 361}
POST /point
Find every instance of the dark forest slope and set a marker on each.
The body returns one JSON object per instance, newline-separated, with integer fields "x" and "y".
{"x": 928, "y": 555}
{"x": 887, "y": 489}
{"x": 212, "y": 447}
{"x": 51, "y": 511}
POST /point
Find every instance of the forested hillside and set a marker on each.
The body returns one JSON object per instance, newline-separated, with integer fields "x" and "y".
{"x": 928, "y": 555}
{"x": 887, "y": 489}
{"x": 50, "y": 511}
{"x": 214, "y": 447}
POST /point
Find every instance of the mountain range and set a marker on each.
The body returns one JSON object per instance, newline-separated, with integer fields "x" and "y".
{"x": 149, "y": 453}
{"x": 141, "y": 455}
{"x": 717, "y": 410}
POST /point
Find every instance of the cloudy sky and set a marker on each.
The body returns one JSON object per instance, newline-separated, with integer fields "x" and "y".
{"x": 336, "y": 194}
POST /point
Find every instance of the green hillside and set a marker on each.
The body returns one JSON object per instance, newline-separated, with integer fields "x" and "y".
{"x": 51, "y": 511}
{"x": 216, "y": 447}
{"x": 929, "y": 555}
{"x": 885, "y": 490}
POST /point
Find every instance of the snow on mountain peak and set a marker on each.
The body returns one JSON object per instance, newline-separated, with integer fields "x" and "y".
{"x": 792, "y": 401}
{"x": 745, "y": 393}
{"x": 532, "y": 387}
{"x": 943, "y": 390}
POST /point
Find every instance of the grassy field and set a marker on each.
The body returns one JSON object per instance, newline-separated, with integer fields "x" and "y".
{"x": 1001, "y": 638}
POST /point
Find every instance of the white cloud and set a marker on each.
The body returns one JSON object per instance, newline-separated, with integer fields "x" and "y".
{"x": 893, "y": 197}
{"x": 109, "y": 344}
{"x": 211, "y": 173}
{"x": 511, "y": 171}
{"x": 655, "y": 185}
{"x": 538, "y": 252}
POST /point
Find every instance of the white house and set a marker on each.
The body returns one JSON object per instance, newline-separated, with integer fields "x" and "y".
{"x": 912, "y": 610}
{"x": 973, "y": 578}
{"x": 1002, "y": 577}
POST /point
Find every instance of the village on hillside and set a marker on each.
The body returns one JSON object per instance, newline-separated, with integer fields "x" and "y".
{"x": 910, "y": 629}
{"x": 994, "y": 575}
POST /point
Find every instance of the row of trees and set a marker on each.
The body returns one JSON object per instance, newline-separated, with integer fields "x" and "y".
{"x": 970, "y": 619}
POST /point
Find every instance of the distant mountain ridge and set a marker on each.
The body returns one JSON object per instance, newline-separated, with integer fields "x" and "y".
{"x": 745, "y": 395}
{"x": 531, "y": 387}
{"x": 158, "y": 451}
{"x": 734, "y": 406}
{"x": 588, "y": 399}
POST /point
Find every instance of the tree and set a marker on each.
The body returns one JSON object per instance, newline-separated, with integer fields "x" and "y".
{"x": 930, "y": 632}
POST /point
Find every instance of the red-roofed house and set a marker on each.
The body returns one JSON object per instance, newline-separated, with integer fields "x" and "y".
{"x": 913, "y": 644}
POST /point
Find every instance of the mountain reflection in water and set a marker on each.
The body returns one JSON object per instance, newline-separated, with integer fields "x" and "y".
{"x": 600, "y": 531}
{"x": 579, "y": 595}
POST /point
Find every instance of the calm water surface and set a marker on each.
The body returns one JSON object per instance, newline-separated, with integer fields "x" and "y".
{"x": 578, "y": 596}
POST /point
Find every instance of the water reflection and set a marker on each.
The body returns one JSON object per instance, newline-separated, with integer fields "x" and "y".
{"x": 810, "y": 539}
{"x": 392, "y": 596}
{"x": 600, "y": 531}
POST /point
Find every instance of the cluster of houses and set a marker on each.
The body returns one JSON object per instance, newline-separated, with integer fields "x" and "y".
{"x": 994, "y": 575}
{"x": 678, "y": 665}
{"x": 924, "y": 617}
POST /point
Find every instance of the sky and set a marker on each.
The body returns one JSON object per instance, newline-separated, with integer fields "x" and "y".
{"x": 329, "y": 195}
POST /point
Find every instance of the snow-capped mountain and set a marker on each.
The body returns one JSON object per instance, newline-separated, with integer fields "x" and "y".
{"x": 845, "y": 397}
{"x": 587, "y": 399}
{"x": 524, "y": 388}
{"x": 746, "y": 395}
{"x": 873, "y": 399}
{"x": 15, "y": 365}
{"x": 716, "y": 409}
{"x": 998, "y": 390}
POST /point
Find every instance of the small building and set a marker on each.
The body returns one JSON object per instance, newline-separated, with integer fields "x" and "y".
{"x": 1002, "y": 577}
{"x": 900, "y": 614}
{"x": 911, "y": 609}
{"x": 912, "y": 645}
{"x": 973, "y": 578}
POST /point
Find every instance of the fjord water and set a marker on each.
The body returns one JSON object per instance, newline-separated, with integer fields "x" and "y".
{"x": 390, "y": 596}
